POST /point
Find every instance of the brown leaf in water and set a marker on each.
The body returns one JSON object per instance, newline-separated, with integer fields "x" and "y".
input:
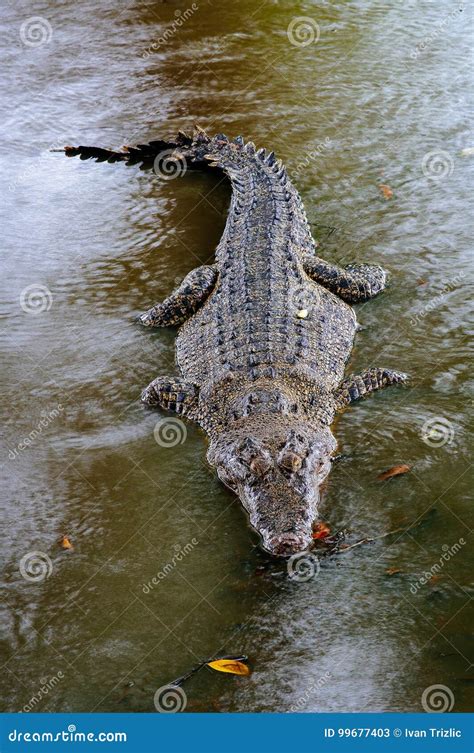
{"x": 386, "y": 191}
{"x": 233, "y": 666}
{"x": 396, "y": 470}
{"x": 65, "y": 543}
{"x": 393, "y": 570}
{"x": 321, "y": 530}
{"x": 421, "y": 281}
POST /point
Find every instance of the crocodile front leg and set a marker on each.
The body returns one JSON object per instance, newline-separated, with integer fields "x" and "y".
{"x": 353, "y": 283}
{"x": 360, "y": 385}
{"x": 171, "y": 394}
{"x": 184, "y": 301}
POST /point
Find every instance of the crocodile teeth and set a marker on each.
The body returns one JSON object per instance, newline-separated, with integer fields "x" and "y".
{"x": 250, "y": 147}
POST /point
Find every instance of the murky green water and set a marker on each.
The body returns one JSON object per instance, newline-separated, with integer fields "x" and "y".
{"x": 383, "y": 88}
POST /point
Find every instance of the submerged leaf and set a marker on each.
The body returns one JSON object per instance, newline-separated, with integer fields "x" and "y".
{"x": 233, "y": 666}
{"x": 393, "y": 571}
{"x": 65, "y": 543}
{"x": 386, "y": 191}
{"x": 396, "y": 470}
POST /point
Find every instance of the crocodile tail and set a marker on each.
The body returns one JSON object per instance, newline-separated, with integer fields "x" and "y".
{"x": 184, "y": 151}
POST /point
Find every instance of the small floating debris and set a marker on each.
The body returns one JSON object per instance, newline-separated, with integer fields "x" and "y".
{"x": 302, "y": 314}
{"x": 396, "y": 470}
{"x": 65, "y": 543}
{"x": 393, "y": 571}
{"x": 386, "y": 191}
{"x": 467, "y": 152}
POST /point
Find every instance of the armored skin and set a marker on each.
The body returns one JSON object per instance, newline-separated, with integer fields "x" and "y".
{"x": 265, "y": 335}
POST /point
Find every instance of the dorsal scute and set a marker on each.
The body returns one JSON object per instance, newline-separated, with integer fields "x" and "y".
{"x": 200, "y": 136}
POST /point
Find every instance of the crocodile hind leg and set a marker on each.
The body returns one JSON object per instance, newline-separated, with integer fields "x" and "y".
{"x": 360, "y": 385}
{"x": 171, "y": 394}
{"x": 353, "y": 283}
{"x": 184, "y": 301}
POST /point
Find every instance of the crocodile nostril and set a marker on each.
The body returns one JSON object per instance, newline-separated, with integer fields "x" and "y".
{"x": 290, "y": 461}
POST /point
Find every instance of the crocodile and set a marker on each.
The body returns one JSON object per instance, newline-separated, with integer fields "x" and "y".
{"x": 264, "y": 337}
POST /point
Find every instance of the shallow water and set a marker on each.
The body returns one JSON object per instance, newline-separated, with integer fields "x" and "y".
{"x": 379, "y": 98}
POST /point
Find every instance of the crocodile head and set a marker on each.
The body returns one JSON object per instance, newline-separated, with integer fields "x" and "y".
{"x": 276, "y": 469}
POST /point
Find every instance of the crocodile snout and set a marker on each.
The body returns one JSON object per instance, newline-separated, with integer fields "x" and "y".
{"x": 287, "y": 544}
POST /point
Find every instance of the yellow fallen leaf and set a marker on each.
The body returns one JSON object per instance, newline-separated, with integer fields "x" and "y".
{"x": 386, "y": 191}
{"x": 229, "y": 665}
{"x": 65, "y": 543}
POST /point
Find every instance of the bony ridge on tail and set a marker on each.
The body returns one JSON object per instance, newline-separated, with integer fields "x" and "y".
{"x": 265, "y": 335}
